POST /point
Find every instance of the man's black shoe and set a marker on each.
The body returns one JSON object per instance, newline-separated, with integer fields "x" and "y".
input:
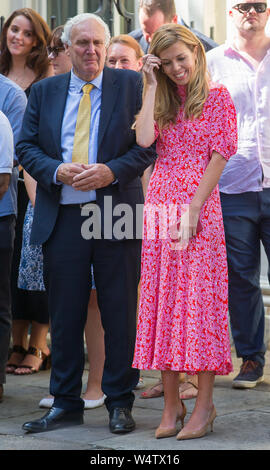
{"x": 55, "y": 418}
{"x": 251, "y": 373}
{"x": 121, "y": 420}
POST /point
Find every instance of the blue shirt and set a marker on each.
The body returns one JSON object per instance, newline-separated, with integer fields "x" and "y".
{"x": 12, "y": 103}
{"x": 68, "y": 194}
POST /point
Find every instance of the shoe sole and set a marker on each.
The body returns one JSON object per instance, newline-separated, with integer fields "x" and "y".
{"x": 66, "y": 424}
{"x": 121, "y": 431}
{"x": 246, "y": 383}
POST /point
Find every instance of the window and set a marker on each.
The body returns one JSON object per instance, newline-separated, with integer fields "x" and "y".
{"x": 107, "y": 9}
{"x": 62, "y": 10}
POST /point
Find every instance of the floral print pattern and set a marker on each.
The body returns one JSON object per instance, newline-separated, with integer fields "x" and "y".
{"x": 183, "y": 312}
{"x": 31, "y": 264}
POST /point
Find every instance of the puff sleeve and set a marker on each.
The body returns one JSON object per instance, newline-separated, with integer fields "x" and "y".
{"x": 223, "y": 126}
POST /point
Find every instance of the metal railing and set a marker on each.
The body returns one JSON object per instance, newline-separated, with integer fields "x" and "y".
{"x": 105, "y": 7}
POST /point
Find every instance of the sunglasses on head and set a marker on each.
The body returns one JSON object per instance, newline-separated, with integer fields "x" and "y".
{"x": 54, "y": 50}
{"x": 259, "y": 7}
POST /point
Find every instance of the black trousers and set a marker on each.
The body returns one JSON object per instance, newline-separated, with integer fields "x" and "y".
{"x": 7, "y": 233}
{"x": 67, "y": 275}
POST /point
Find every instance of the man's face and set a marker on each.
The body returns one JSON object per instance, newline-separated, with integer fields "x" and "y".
{"x": 150, "y": 24}
{"x": 87, "y": 50}
{"x": 250, "y": 20}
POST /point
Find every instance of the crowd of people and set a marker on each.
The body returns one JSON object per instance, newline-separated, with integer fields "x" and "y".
{"x": 91, "y": 126}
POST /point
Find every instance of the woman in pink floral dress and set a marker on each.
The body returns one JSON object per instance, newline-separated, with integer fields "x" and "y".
{"x": 183, "y": 323}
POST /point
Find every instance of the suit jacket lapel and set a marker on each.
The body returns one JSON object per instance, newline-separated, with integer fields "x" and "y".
{"x": 110, "y": 90}
{"x": 59, "y": 96}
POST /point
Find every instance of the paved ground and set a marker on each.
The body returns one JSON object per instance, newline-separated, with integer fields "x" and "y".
{"x": 243, "y": 421}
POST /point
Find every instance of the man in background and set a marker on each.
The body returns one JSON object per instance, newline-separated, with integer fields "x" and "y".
{"x": 243, "y": 65}
{"x": 155, "y": 13}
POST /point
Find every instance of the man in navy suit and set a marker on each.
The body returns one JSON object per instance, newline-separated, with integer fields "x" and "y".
{"x": 67, "y": 192}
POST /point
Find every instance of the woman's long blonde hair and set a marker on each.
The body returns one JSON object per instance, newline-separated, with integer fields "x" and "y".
{"x": 167, "y": 100}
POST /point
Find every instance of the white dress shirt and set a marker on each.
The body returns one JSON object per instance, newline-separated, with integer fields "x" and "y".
{"x": 249, "y": 169}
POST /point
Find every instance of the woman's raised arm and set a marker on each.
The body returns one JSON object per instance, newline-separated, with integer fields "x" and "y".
{"x": 145, "y": 125}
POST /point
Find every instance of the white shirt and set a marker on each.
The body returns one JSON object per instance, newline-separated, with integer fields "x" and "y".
{"x": 6, "y": 145}
{"x": 249, "y": 169}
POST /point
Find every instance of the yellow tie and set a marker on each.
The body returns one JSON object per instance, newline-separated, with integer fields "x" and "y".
{"x": 82, "y": 131}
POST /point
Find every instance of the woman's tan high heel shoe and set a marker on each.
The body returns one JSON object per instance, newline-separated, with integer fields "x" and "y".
{"x": 169, "y": 432}
{"x": 201, "y": 432}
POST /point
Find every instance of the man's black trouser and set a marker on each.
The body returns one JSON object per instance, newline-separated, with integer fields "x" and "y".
{"x": 67, "y": 275}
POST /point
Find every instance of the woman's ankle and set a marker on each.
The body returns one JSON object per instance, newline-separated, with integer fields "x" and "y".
{"x": 93, "y": 393}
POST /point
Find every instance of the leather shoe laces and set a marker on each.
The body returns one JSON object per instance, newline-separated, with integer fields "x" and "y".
{"x": 121, "y": 420}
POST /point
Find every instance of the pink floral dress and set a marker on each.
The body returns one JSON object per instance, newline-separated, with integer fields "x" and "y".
{"x": 183, "y": 312}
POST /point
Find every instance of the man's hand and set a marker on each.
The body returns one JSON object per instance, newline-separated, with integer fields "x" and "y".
{"x": 92, "y": 177}
{"x": 4, "y": 183}
{"x": 67, "y": 171}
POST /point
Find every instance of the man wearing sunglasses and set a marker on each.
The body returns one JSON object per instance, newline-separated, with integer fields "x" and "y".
{"x": 243, "y": 66}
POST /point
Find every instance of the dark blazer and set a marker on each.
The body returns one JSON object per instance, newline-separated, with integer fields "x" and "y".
{"x": 39, "y": 145}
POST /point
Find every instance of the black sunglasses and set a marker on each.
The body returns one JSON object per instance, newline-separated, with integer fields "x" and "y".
{"x": 54, "y": 50}
{"x": 259, "y": 7}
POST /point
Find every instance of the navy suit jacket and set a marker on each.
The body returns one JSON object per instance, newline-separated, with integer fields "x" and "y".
{"x": 39, "y": 145}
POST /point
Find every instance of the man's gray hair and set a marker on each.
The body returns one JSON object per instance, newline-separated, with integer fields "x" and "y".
{"x": 79, "y": 19}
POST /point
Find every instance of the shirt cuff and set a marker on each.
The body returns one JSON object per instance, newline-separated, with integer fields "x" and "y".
{"x": 54, "y": 177}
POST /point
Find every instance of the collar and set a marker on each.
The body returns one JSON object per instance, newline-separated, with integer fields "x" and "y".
{"x": 230, "y": 47}
{"x": 77, "y": 83}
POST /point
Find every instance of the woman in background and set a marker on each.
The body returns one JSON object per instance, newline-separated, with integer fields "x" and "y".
{"x": 23, "y": 59}
{"x": 124, "y": 52}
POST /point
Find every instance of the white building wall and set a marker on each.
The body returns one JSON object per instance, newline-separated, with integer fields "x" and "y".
{"x": 5, "y": 8}
{"x": 8, "y": 6}
{"x": 196, "y": 14}
{"x": 207, "y": 16}
{"x": 183, "y": 9}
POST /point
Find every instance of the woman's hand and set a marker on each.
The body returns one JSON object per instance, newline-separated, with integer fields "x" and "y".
{"x": 187, "y": 228}
{"x": 150, "y": 63}
{"x": 145, "y": 121}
